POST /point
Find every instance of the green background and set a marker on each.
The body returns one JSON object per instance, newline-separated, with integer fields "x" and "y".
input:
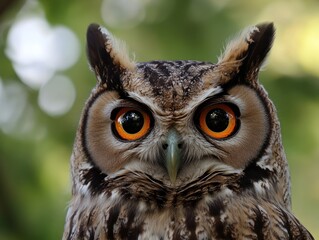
{"x": 34, "y": 163}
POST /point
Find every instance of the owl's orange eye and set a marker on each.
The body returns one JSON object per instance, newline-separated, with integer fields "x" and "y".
{"x": 131, "y": 124}
{"x": 218, "y": 121}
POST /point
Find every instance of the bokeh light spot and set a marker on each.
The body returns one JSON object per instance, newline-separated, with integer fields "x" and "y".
{"x": 64, "y": 48}
{"x": 123, "y": 13}
{"x": 13, "y": 101}
{"x": 38, "y": 50}
{"x": 308, "y": 50}
{"x": 57, "y": 96}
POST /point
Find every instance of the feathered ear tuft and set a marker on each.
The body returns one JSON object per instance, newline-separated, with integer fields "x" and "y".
{"x": 246, "y": 54}
{"x": 107, "y": 57}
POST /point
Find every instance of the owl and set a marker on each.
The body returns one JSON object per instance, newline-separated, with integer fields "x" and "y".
{"x": 180, "y": 149}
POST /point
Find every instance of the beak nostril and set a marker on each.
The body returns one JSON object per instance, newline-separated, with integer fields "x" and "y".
{"x": 165, "y": 146}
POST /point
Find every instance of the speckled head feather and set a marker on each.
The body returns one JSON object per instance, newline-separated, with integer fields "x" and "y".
{"x": 180, "y": 149}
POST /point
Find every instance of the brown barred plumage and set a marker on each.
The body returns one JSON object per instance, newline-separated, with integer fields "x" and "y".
{"x": 180, "y": 149}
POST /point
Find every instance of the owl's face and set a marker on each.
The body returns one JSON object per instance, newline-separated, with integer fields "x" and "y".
{"x": 174, "y": 120}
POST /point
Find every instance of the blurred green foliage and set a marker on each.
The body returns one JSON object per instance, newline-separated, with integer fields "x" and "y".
{"x": 34, "y": 162}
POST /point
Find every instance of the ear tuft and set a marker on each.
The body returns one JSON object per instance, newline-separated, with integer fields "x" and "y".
{"x": 107, "y": 56}
{"x": 247, "y": 53}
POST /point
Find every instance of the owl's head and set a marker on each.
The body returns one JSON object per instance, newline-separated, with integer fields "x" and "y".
{"x": 174, "y": 123}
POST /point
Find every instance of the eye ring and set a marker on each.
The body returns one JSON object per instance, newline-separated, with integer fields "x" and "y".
{"x": 218, "y": 121}
{"x": 131, "y": 124}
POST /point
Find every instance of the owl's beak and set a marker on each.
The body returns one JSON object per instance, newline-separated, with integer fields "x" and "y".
{"x": 173, "y": 149}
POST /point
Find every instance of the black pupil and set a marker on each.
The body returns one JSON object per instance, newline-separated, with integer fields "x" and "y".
{"x": 132, "y": 121}
{"x": 217, "y": 120}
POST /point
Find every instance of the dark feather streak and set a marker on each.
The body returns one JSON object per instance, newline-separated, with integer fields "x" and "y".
{"x": 259, "y": 224}
{"x": 101, "y": 60}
